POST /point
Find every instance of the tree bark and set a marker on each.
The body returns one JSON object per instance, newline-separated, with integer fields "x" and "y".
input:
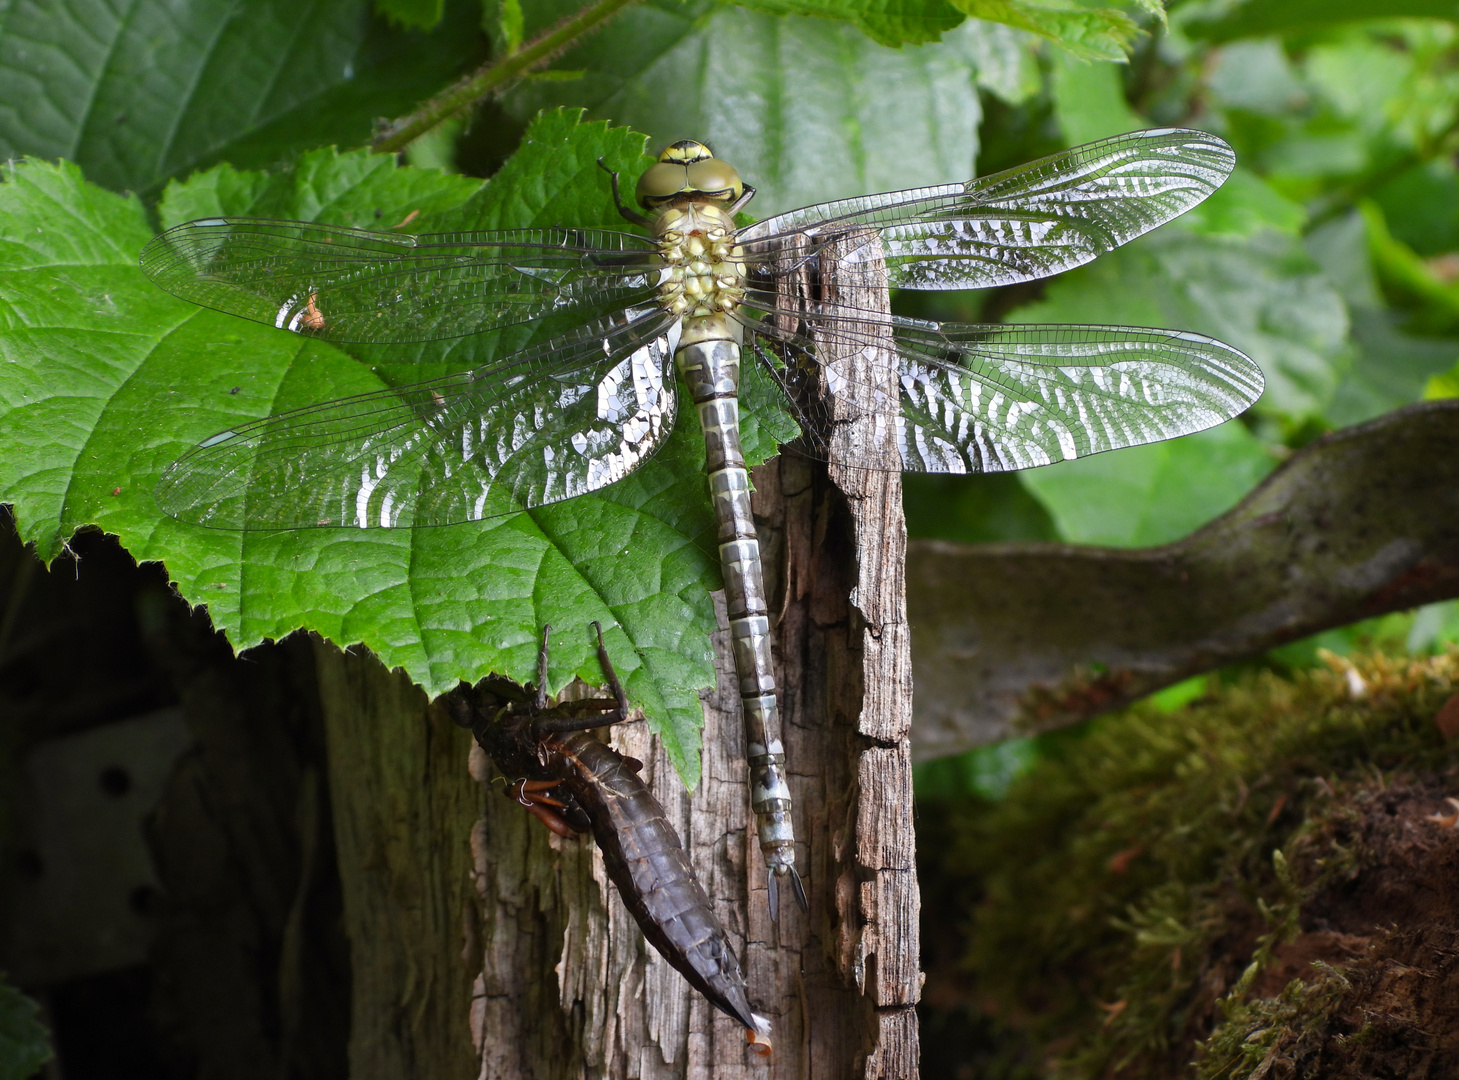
{"x": 565, "y": 985}
{"x": 402, "y": 804}
{"x": 568, "y": 986}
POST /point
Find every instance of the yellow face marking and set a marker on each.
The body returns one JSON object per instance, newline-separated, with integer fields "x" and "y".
{"x": 688, "y": 170}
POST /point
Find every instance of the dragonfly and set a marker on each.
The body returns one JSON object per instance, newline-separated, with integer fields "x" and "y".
{"x": 574, "y": 783}
{"x": 686, "y": 296}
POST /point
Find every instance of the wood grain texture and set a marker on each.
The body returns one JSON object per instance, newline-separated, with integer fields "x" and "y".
{"x": 402, "y": 806}
{"x": 565, "y": 986}
{"x": 569, "y": 987}
{"x": 864, "y": 440}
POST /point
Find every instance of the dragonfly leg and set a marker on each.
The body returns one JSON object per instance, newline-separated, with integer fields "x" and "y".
{"x": 612, "y": 676}
{"x": 530, "y": 791}
{"x": 539, "y": 695}
{"x": 582, "y": 715}
{"x": 556, "y": 822}
{"x": 532, "y": 795}
{"x": 629, "y": 214}
{"x": 745, "y": 196}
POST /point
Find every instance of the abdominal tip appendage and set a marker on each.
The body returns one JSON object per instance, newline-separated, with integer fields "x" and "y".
{"x": 759, "y": 1036}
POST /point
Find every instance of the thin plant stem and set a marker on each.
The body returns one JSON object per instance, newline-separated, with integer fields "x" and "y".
{"x": 493, "y": 77}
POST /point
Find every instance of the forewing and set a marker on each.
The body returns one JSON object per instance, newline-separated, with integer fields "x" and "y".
{"x": 557, "y": 421}
{"x": 1001, "y": 397}
{"x": 1029, "y": 222}
{"x": 352, "y": 285}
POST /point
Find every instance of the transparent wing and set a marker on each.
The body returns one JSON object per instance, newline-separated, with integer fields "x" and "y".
{"x": 995, "y": 398}
{"x": 1029, "y": 222}
{"x": 358, "y": 286}
{"x": 998, "y": 398}
{"x": 568, "y": 417}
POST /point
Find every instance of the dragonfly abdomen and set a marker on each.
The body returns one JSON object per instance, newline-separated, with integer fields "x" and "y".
{"x": 710, "y": 365}
{"x": 645, "y": 859}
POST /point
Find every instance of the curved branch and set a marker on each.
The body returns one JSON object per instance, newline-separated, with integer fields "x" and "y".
{"x": 1014, "y": 638}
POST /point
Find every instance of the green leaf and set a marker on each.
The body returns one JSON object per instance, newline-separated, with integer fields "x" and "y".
{"x": 1421, "y": 206}
{"x": 1407, "y": 280}
{"x": 806, "y": 109}
{"x": 412, "y": 14}
{"x": 24, "y": 1041}
{"x": 1243, "y": 206}
{"x": 1006, "y": 61}
{"x": 1147, "y": 495}
{"x": 1261, "y": 294}
{"x": 1443, "y": 385}
{"x": 141, "y": 92}
{"x": 1389, "y": 368}
{"x": 893, "y": 24}
{"x": 1088, "y": 33}
{"x": 111, "y": 379}
{"x": 1089, "y": 100}
{"x": 1260, "y": 18}
{"x": 509, "y": 24}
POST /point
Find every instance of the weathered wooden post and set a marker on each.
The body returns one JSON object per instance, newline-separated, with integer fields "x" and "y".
{"x": 565, "y": 985}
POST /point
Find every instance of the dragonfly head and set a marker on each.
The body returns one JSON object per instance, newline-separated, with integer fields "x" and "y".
{"x": 688, "y": 170}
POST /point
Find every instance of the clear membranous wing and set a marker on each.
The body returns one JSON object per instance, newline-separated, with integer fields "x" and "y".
{"x": 351, "y": 285}
{"x": 994, "y": 398}
{"x": 1000, "y": 397}
{"x": 568, "y": 417}
{"x": 1028, "y": 222}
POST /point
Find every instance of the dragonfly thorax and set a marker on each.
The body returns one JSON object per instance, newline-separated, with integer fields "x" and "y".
{"x": 704, "y": 269}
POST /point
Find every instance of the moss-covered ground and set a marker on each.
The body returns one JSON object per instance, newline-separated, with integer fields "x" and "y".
{"x": 1261, "y": 884}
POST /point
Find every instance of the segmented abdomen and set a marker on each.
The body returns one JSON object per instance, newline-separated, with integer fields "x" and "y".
{"x": 646, "y": 861}
{"x": 711, "y": 370}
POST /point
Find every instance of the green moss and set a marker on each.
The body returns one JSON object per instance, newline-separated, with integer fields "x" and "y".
{"x": 1268, "y": 1033}
{"x": 1135, "y": 885}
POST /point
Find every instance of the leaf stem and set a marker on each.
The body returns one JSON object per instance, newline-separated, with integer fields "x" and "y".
{"x": 493, "y": 77}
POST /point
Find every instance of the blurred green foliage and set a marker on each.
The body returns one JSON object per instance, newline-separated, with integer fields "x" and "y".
{"x": 24, "y": 1042}
{"x": 1331, "y": 256}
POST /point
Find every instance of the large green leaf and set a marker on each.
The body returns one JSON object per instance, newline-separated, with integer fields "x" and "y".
{"x": 109, "y": 379}
{"x": 1262, "y": 294}
{"x": 1148, "y": 495}
{"x": 900, "y": 22}
{"x": 1258, "y": 18}
{"x": 1090, "y": 100}
{"x": 141, "y": 92}
{"x": 807, "y": 109}
{"x": 1090, "y": 33}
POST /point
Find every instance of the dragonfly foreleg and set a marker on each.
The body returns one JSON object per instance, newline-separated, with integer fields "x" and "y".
{"x": 629, "y": 214}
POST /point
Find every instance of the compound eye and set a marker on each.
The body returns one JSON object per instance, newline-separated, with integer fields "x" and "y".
{"x": 712, "y": 176}
{"x": 661, "y": 181}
